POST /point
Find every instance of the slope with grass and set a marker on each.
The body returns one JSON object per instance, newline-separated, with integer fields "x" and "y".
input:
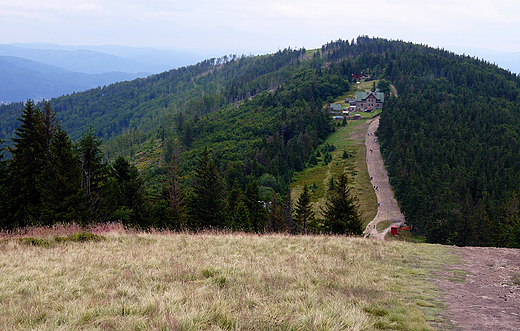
{"x": 218, "y": 281}
{"x": 346, "y": 139}
{"x": 349, "y": 156}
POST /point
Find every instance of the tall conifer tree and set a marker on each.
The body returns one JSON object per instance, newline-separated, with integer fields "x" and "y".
{"x": 130, "y": 191}
{"x": 25, "y": 167}
{"x": 62, "y": 199}
{"x": 175, "y": 197}
{"x": 256, "y": 210}
{"x": 304, "y": 213}
{"x": 206, "y": 205}
{"x": 341, "y": 212}
{"x": 98, "y": 190}
{"x": 3, "y": 189}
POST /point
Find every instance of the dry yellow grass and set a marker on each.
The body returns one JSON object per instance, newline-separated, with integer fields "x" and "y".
{"x": 217, "y": 281}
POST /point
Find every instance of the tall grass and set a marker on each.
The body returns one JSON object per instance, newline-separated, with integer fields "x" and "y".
{"x": 217, "y": 281}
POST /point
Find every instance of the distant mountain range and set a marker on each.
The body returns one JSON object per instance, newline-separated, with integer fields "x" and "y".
{"x": 506, "y": 60}
{"x": 22, "y": 79}
{"x": 45, "y": 71}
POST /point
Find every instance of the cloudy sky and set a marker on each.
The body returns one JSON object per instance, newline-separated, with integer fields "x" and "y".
{"x": 260, "y": 26}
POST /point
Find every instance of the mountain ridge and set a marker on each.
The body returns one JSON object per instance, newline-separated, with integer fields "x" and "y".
{"x": 101, "y": 59}
{"x": 24, "y": 79}
{"x": 450, "y": 140}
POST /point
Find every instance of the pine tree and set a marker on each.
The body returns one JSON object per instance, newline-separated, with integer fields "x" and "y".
{"x": 341, "y": 212}
{"x": 206, "y": 207}
{"x": 303, "y": 210}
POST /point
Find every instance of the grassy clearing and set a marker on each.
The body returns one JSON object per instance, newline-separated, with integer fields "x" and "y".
{"x": 218, "y": 281}
{"x": 351, "y": 139}
{"x": 365, "y": 86}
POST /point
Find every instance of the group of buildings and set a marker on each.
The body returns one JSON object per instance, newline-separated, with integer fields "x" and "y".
{"x": 365, "y": 102}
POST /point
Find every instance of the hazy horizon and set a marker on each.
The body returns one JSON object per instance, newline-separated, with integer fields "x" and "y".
{"x": 261, "y": 27}
{"x": 505, "y": 59}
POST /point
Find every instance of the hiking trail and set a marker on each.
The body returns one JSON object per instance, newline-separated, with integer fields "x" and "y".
{"x": 388, "y": 209}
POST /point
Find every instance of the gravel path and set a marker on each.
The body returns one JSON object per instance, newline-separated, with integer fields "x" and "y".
{"x": 483, "y": 293}
{"x": 388, "y": 208}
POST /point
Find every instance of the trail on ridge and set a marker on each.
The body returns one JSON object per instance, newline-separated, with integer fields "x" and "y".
{"x": 388, "y": 209}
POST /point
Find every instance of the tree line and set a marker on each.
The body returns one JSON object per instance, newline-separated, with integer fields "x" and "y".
{"x": 451, "y": 146}
{"x": 450, "y": 140}
{"x": 50, "y": 180}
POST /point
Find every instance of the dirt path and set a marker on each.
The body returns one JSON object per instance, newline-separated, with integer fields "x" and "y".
{"x": 481, "y": 294}
{"x": 388, "y": 208}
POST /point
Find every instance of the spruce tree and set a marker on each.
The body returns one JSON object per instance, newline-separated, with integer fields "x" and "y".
{"x": 3, "y": 189}
{"x": 50, "y": 124}
{"x": 206, "y": 205}
{"x": 174, "y": 195}
{"x": 241, "y": 218}
{"x": 254, "y": 205}
{"x": 303, "y": 210}
{"x": 276, "y": 214}
{"x": 99, "y": 190}
{"x": 25, "y": 168}
{"x": 130, "y": 198}
{"x": 290, "y": 225}
{"x": 92, "y": 166}
{"x": 341, "y": 212}
{"x": 234, "y": 197}
{"x": 60, "y": 183}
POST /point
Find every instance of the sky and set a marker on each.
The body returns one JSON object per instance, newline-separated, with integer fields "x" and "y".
{"x": 259, "y": 27}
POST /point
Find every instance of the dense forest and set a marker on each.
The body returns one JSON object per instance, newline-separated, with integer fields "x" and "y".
{"x": 243, "y": 125}
{"x": 451, "y": 143}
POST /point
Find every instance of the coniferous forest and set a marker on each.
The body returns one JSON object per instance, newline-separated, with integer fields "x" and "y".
{"x": 227, "y": 135}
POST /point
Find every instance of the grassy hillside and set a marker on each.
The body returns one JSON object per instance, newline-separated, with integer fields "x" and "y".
{"x": 349, "y": 139}
{"x": 118, "y": 281}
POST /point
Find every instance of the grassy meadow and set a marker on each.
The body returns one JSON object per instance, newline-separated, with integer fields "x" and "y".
{"x": 350, "y": 138}
{"x": 114, "y": 280}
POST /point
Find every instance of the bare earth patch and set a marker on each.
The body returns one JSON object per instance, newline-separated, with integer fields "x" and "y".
{"x": 483, "y": 294}
{"x": 388, "y": 209}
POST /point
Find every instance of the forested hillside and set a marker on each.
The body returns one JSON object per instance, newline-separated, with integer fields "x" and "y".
{"x": 452, "y": 145}
{"x": 213, "y": 139}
